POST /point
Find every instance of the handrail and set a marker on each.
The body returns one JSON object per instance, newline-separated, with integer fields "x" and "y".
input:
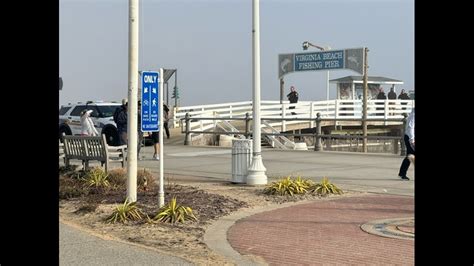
{"x": 317, "y": 135}
{"x": 285, "y": 139}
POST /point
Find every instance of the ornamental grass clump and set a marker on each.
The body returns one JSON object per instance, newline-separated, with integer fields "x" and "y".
{"x": 126, "y": 212}
{"x": 325, "y": 187}
{"x": 288, "y": 186}
{"x": 173, "y": 212}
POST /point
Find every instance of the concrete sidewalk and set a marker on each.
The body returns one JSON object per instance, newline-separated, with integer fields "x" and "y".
{"x": 316, "y": 232}
{"x": 354, "y": 171}
{"x": 77, "y": 247}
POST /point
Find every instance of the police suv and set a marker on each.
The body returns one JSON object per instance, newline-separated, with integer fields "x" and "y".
{"x": 102, "y": 116}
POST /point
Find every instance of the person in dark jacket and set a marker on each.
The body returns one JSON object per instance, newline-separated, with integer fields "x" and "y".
{"x": 381, "y": 96}
{"x": 409, "y": 139}
{"x": 293, "y": 97}
{"x": 120, "y": 119}
{"x": 139, "y": 129}
{"x": 403, "y": 96}
{"x": 392, "y": 96}
{"x": 166, "y": 118}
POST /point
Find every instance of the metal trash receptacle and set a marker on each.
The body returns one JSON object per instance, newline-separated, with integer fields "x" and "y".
{"x": 241, "y": 159}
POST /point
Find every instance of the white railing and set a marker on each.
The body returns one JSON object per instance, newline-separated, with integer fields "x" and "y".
{"x": 333, "y": 109}
{"x": 274, "y": 140}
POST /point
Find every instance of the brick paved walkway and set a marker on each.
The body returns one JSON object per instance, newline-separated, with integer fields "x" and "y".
{"x": 326, "y": 232}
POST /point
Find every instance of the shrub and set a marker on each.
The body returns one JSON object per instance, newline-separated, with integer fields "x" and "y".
{"x": 97, "y": 178}
{"x": 71, "y": 188}
{"x": 145, "y": 179}
{"x": 287, "y": 186}
{"x": 67, "y": 170}
{"x": 325, "y": 187}
{"x": 125, "y": 212}
{"x": 173, "y": 212}
{"x": 118, "y": 177}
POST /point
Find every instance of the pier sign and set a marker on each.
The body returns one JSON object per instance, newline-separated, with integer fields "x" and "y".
{"x": 322, "y": 60}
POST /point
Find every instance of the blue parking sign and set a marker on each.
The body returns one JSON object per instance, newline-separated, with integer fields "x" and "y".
{"x": 150, "y": 103}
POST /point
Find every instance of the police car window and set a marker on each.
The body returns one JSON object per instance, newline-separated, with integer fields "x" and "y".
{"x": 107, "y": 110}
{"x": 94, "y": 113}
{"x": 77, "y": 110}
{"x": 64, "y": 109}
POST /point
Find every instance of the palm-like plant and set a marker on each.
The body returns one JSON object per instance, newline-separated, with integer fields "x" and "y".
{"x": 97, "y": 178}
{"x": 325, "y": 187}
{"x": 125, "y": 212}
{"x": 173, "y": 212}
{"x": 288, "y": 186}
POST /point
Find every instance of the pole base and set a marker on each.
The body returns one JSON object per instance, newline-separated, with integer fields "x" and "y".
{"x": 161, "y": 199}
{"x": 256, "y": 172}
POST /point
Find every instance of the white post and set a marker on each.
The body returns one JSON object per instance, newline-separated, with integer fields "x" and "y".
{"x": 327, "y": 85}
{"x": 283, "y": 116}
{"x": 132, "y": 100}
{"x": 161, "y": 192}
{"x": 256, "y": 172}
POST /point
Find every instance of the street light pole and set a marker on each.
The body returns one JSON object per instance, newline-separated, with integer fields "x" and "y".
{"x": 306, "y": 45}
{"x": 132, "y": 101}
{"x": 364, "y": 103}
{"x": 327, "y": 78}
{"x": 256, "y": 172}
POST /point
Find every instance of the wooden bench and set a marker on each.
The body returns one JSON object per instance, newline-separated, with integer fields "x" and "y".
{"x": 88, "y": 148}
{"x": 61, "y": 151}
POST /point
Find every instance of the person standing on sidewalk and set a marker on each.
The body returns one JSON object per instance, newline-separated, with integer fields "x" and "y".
{"x": 121, "y": 120}
{"x": 166, "y": 117}
{"x": 155, "y": 136}
{"x": 409, "y": 139}
{"x": 139, "y": 127}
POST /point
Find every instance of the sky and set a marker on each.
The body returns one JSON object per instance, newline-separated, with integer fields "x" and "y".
{"x": 210, "y": 43}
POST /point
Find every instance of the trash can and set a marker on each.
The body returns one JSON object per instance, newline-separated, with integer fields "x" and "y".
{"x": 241, "y": 159}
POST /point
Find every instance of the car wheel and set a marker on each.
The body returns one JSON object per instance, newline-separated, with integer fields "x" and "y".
{"x": 111, "y": 136}
{"x": 64, "y": 130}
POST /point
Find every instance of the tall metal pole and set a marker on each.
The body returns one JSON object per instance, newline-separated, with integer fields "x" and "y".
{"x": 132, "y": 100}
{"x": 167, "y": 94}
{"x": 327, "y": 85}
{"x": 327, "y": 78}
{"x": 256, "y": 172}
{"x": 161, "y": 192}
{"x": 176, "y": 85}
{"x": 282, "y": 89}
{"x": 364, "y": 114}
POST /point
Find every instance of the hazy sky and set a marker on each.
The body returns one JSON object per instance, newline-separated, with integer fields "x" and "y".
{"x": 210, "y": 43}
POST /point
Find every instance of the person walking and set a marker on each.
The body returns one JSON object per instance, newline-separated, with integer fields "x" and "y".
{"x": 121, "y": 120}
{"x": 409, "y": 139}
{"x": 139, "y": 129}
{"x": 155, "y": 136}
{"x": 293, "y": 98}
{"x": 87, "y": 125}
{"x": 166, "y": 118}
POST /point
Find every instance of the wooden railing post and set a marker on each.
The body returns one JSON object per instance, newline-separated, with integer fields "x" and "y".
{"x": 317, "y": 143}
{"x": 187, "y": 138}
